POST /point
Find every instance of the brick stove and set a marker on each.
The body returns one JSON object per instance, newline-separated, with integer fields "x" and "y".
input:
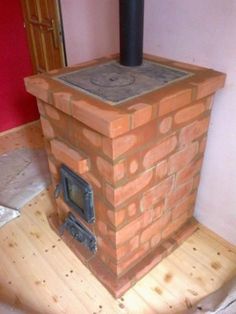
{"x": 126, "y": 169}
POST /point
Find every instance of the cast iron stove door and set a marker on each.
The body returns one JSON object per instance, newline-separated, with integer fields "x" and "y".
{"x": 78, "y": 194}
{"x": 79, "y": 232}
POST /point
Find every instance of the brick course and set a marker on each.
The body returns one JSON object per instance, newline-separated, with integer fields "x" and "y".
{"x": 70, "y": 157}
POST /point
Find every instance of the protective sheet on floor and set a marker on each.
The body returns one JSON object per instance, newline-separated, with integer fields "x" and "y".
{"x": 222, "y": 301}
{"x": 7, "y": 214}
{"x": 24, "y": 174}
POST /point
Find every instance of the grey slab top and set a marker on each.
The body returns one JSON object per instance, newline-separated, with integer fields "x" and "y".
{"x": 114, "y": 83}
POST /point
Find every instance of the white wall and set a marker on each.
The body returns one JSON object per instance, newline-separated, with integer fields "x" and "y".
{"x": 90, "y": 27}
{"x": 204, "y": 32}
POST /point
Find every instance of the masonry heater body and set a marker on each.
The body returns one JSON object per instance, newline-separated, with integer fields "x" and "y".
{"x": 125, "y": 148}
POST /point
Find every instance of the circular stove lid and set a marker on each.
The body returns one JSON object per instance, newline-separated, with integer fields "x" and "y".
{"x": 112, "y": 79}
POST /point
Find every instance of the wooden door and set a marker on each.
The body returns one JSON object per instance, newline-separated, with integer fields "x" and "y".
{"x": 43, "y": 25}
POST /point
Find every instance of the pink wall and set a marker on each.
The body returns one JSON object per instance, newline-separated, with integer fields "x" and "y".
{"x": 203, "y": 32}
{"x": 17, "y": 106}
{"x": 91, "y": 28}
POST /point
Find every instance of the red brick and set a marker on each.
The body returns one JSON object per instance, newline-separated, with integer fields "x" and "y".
{"x": 193, "y": 131}
{"x": 179, "y": 194}
{"x": 117, "y": 253}
{"x": 101, "y": 210}
{"x": 189, "y": 113}
{"x": 124, "y": 265}
{"x": 88, "y": 176}
{"x": 157, "y": 193}
{"x": 93, "y": 138}
{"x": 202, "y": 145}
{"x": 128, "y": 231}
{"x": 149, "y": 262}
{"x": 116, "y": 196}
{"x": 155, "y": 240}
{"x": 189, "y": 228}
{"x": 112, "y": 173}
{"x": 196, "y": 181}
{"x": 47, "y": 146}
{"x": 132, "y": 228}
{"x": 161, "y": 170}
{"x": 84, "y": 138}
{"x": 61, "y": 101}
{"x": 63, "y": 209}
{"x": 209, "y": 85}
{"x": 53, "y": 168}
{"x": 69, "y": 157}
{"x": 115, "y": 286}
{"x": 175, "y": 101}
{"x": 184, "y": 206}
{"x": 132, "y": 209}
{"x": 41, "y": 108}
{"x": 188, "y": 172}
{"x": 105, "y": 249}
{"x": 147, "y": 217}
{"x": 134, "y": 139}
{"x": 59, "y": 121}
{"x": 155, "y": 228}
{"x": 47, "y": 128}
{"x": 133, "y": 166}
{"x": 118, "y": 171}
{"x": 106, "y": 121}
{"x": 165, "y": 125}
{"x": 174, "y": 226}
{"x": 159, "y": 152}
{"x": 158, "y": 210}
{"x": 182, "y": 158}
{"x": 169, "y": 245}
{"x": 209, "y": 103}
{"x": 127, "y": 248}
{"x": 116, "y": 217}
{"x": 102, "y": 227}
{"x": 117, "y": 147}
{"x": 103, "y": 252}
{"x": 52, "y": 113}
{"x": 38, "y": 87}
{"x": 141, "y": 115}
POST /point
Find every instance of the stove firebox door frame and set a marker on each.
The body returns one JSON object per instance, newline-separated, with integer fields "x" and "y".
{"x": 78, "y": 194}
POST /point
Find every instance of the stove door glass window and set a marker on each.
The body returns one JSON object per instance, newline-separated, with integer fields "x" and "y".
{"x": 77, "y": 194}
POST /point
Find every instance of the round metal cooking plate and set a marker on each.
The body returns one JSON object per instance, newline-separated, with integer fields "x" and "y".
{"x": 112, "y": 79}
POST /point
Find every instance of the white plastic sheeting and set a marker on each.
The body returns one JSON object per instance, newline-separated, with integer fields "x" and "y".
{"x": 24, "y": 173}
{"x": 7, "y": 214}
{"x": 222, "y": 301}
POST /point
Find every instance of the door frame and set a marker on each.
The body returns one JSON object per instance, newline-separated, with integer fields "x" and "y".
{"x": 61, "y": 35}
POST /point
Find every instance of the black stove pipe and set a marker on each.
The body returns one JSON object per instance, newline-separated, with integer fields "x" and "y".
{"x": 131, "y": 32}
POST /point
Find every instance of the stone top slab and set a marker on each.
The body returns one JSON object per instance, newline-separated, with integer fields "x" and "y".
{"x": 113, "y": 121}
{"x": 114, "y": 83}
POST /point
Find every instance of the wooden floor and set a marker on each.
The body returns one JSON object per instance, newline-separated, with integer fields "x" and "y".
{"x": 38, "y": 271}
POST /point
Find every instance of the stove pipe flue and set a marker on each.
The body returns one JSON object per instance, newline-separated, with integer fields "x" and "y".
{"x": 131, "y": 32}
